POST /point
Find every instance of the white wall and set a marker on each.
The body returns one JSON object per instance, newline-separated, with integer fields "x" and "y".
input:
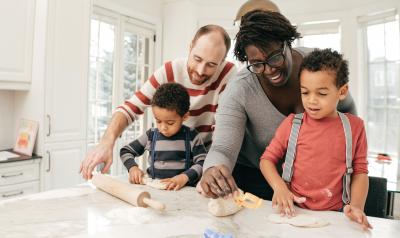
{"x": 179, "y": 26}
{"x": 6, "y": 119}
{"x": 141, "y": 9}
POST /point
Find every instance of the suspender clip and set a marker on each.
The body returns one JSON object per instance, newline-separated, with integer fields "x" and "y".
{"x": 349, "y": 170}
{"x": 297, "y": 120}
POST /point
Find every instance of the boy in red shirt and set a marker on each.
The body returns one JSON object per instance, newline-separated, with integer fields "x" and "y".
{"x": 315, "y": 180}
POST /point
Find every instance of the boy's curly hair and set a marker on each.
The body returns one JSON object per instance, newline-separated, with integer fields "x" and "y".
{"x": 172, "y": 96}
{"x": 261, "y": 28}
{"x": 327, "y": 60}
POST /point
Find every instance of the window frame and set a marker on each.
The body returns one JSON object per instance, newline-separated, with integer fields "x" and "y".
{"x": 122, "y": 24}
{"x": 364, "y": 22}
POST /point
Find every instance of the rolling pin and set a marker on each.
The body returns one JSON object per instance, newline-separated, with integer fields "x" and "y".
{"x": 126, "y": 192}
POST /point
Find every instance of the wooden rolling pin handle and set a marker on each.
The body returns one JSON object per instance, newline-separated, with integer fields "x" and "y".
{"x": 159, "y": 206}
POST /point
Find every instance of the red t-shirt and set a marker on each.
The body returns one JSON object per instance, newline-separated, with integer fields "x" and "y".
{"x": 320, "y": 161}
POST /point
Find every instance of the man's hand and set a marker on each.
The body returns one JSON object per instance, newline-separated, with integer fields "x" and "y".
{"x": 217, "y": 182}
{"x": 101, "y": 154}
{"x": 357, "y": 215}
{"x": 135, "y": 175}
{"x": 176, "y": 182}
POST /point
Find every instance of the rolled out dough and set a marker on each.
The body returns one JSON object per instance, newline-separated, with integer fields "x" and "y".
{"x": 300, "y": 220}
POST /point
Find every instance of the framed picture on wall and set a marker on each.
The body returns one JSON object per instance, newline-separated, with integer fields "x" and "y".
{"x": 26, "y": 136}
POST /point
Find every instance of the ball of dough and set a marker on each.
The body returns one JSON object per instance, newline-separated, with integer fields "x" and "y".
{"x": 223, "y": 207}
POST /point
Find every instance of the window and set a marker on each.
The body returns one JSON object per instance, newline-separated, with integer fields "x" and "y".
{"x": 101, "y": 77}
{"x": 121, "y": 58}
{"x": 138, "y": 46}
{"x": 324, "y": 34}
{"x": 381, "y": 37}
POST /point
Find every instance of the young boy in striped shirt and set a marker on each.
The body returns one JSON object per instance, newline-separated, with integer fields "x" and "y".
{"x": 177, "y": 152}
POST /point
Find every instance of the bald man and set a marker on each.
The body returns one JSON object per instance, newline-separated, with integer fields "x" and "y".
{"x": 204, "y": 74}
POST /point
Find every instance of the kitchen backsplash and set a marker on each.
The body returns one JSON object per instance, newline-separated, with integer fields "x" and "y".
{"x": 7, "y": 120}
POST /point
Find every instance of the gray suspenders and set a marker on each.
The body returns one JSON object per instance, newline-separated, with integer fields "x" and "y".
{"x": 291, "y": 153}
{"x": 188, "y": 151}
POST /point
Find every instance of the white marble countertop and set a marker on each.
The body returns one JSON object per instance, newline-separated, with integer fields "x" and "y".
{"x": 84, "y": 211}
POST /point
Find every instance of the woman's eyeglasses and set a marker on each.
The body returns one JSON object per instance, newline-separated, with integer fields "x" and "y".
{"x": 274, "y": 61}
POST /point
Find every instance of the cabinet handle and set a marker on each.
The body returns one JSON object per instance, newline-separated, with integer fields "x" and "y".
{"x": 49, "y": 167}
{"x": 12, "y": 175}
{"x": 49, "y": 128}
{"x": 12, "y": 194}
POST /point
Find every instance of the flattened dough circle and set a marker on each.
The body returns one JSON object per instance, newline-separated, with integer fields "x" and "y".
{"x": 301, "y": 220}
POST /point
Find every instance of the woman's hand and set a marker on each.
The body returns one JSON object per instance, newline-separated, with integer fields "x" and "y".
{"x": 217, "y": 182}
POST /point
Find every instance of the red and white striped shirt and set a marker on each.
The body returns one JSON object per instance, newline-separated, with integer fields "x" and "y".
{"x": 203, "y": 98}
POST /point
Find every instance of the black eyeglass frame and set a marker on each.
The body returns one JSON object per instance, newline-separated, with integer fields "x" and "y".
{"x": 282, "y": 53}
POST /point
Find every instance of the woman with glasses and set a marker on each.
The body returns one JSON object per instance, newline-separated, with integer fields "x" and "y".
{"x": 254, "y": 104}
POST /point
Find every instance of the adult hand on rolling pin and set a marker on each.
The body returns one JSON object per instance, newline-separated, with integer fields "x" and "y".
{"x": 135, "y": 175}
{"x": 176, "y": 182}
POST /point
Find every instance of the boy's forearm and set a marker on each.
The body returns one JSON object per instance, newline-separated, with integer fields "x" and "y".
{"x": 192, "y": 175}
{"x": 270, "y": 173}
{"x": 359, "y": 190}
{"x": 116, "y": 126}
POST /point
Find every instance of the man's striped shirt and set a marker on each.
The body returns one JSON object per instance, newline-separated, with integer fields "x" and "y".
{"x": 203, "y": 98}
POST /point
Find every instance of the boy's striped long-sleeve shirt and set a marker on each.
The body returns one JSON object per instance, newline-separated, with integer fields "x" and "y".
{"x": 170, "y": 154}
{"x": 203, "y": 98}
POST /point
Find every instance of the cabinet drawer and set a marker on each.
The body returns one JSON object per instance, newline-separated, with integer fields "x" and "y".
{"x": 16, "y": 190}
{"x": 19, "y": 173}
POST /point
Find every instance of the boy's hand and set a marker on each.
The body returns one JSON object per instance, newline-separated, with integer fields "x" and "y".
{"x": 283, "y": 198}
{"x": 357, "y": 215}
{"x": 135, "y": 175}
{"x": 176, "y": 182}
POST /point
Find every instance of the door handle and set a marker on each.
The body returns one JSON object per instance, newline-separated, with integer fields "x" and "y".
{"x": 12, "y": 194}
{"x": 49, "y": 128}
{"x": 11, "y": 175}
{"x": 49, "y": 164}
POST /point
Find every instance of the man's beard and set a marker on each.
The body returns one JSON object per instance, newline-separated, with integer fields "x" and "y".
{"x": 197, "y": 79}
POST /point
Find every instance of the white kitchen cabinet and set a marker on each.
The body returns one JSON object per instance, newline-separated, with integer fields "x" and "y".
{"x": 58, "y": 94}
{"x": 61, "y": 164}
{"x": 19, "y": 178}
{"x": 65, "y": 97}
{"x": 16, "y": 43}
{"x": 67, "y": 57}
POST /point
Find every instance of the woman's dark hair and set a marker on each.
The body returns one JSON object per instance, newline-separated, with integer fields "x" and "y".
{"x": 327, "y": 60}
{"x": 261, "y": 28}
{"x": 172, "y": 96}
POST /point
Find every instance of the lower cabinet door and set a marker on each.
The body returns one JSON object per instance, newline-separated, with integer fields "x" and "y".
{"x": 61, "y": 164}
